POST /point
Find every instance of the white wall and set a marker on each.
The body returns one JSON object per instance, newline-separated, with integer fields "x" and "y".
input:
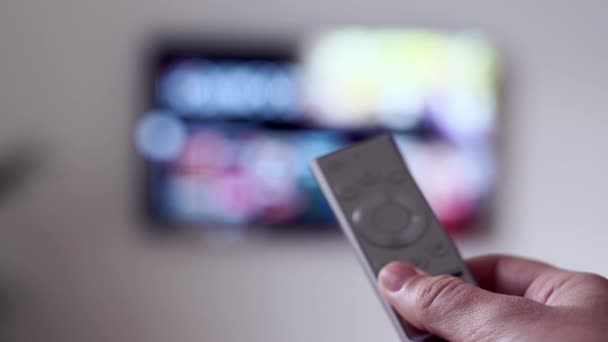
{"x": 72, "y": 255}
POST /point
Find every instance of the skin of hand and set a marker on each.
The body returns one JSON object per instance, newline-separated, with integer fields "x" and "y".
{"x": 517, "y": 300}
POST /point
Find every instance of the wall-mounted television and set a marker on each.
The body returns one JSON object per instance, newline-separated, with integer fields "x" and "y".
{"x": 229, "y": 126}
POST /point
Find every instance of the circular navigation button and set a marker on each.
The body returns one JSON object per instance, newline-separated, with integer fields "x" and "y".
{"x": 361, "y": 215}
{"x": 391, "y": 218}
{"x": 388, "y": 222}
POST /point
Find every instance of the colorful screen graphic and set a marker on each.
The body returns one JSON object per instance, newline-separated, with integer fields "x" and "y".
{"x": 229, "y": 133}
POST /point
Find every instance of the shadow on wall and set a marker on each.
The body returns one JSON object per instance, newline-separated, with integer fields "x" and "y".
{"x": 17, "y": 166}
{"x": 8, "y": 308}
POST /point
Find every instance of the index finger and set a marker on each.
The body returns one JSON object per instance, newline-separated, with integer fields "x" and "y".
{"x": 506, "y": 274}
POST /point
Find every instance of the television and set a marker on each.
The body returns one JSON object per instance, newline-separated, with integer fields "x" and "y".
{"x": 228, "y": 128}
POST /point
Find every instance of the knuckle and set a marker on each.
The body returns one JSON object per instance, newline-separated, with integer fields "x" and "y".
{"x": 549, "y": 289}
{"x": 511, "y": 312}
{"x": 594, "y": 280}
{"x": 440, "y": 295}
{"x": 593, "y": 284}
{"x": 516, "y": 309}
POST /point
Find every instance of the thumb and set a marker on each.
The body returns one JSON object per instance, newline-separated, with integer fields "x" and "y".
{"x": 448, "y": 307}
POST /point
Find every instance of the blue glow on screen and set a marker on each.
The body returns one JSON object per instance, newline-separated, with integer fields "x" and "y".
{"x": 251, "y": 89}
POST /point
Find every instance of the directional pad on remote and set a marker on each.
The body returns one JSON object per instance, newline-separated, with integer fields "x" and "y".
{"x": 390, "y": 218}
{"x": 389, "y": 222}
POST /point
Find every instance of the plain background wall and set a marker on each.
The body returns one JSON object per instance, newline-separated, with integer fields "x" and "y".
{"x": 76, "y": 266}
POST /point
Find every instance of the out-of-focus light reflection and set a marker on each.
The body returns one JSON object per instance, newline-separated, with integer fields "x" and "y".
{"x": 393, "y": 78}
{"x": 206, "y": 152}
{"x": 453, "y": 178}
{"x": 160, "y": 136}
{"x": 230, "y": 88}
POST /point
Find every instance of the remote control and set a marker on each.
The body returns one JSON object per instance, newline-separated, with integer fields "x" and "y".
{"x": 385, "y": 216}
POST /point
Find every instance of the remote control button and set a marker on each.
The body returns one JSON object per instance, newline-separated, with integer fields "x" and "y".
{"x": 418, "y": 220}
{"x": 437, "y": 248}
{"x": 387, "y": 222}
{"x": 360, "y": 215}
{"x": 397, "y": 176}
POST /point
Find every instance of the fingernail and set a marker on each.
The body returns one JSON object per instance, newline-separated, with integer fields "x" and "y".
{"x": 394, "y": 275}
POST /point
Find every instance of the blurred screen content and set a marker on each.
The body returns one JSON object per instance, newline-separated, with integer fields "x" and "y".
{"x": 228, "y": 136}
{"x": 403, "y": 80}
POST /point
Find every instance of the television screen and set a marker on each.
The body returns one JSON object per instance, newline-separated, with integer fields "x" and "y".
{"x": 228, "y": 132}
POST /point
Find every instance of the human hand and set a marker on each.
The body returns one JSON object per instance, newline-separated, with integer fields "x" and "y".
{"x": 518, "y": 299}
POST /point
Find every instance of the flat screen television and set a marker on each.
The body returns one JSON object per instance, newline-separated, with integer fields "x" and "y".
{"x": 228, "y": 128}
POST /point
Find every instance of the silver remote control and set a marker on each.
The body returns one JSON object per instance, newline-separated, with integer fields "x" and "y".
{"x": 385, "y": 216}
